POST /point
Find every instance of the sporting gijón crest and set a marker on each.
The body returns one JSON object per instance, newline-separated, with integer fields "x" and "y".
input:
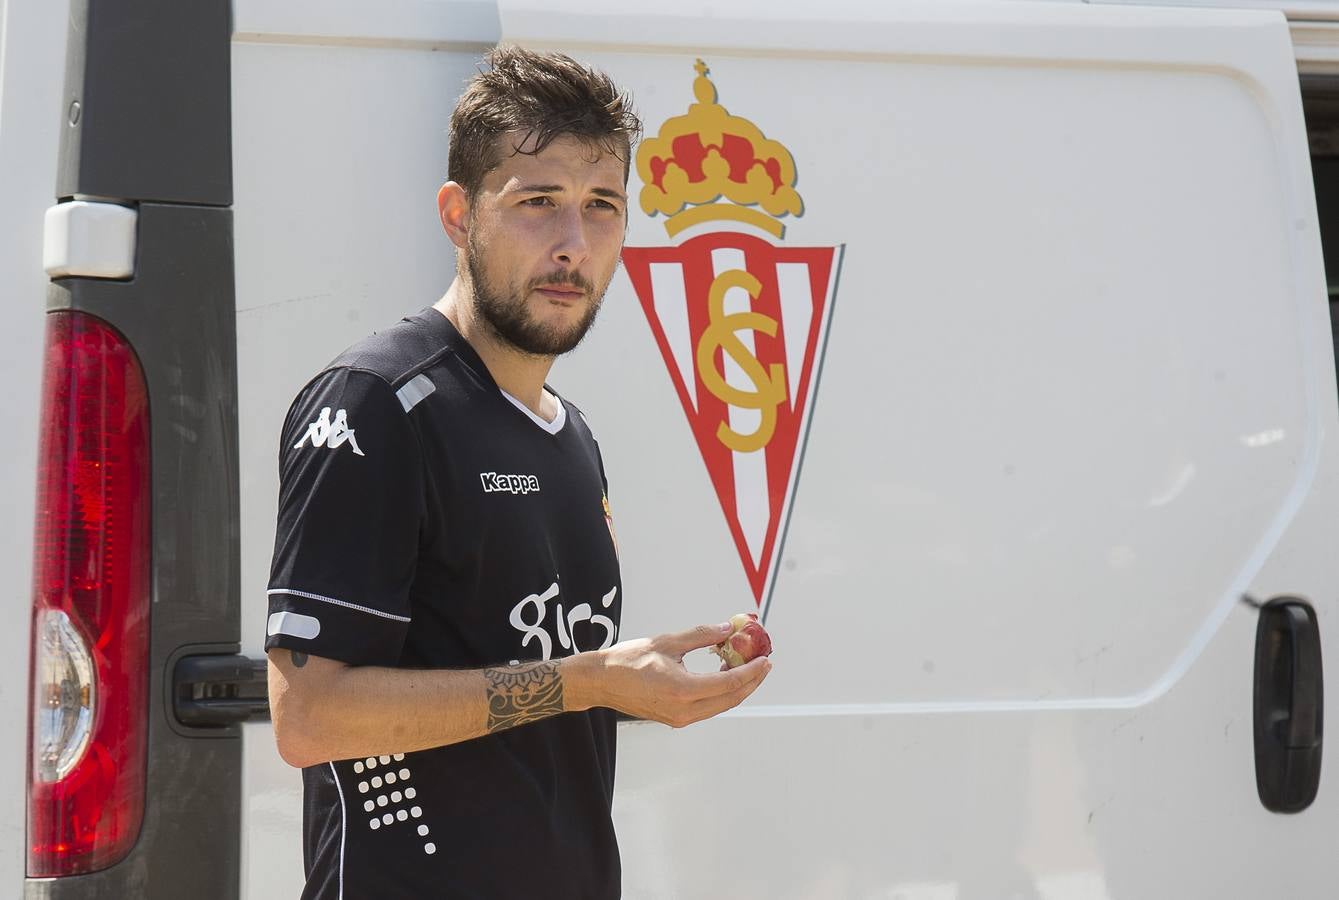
{"x": 740, "y": 320}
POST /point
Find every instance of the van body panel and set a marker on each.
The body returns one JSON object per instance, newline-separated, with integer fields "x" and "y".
{"x": 32, "y": 41}
{"x": 1066, "y": 222}
{"x": 1301, "y": 10}
{"x": 1074, "y": 401}
{"x": 972, "y": 504}
{"x": 406, "y": 24}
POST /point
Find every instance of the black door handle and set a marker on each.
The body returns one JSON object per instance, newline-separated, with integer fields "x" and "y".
{"x": 1289, "y": 705}
{"x": 219, "y": 690}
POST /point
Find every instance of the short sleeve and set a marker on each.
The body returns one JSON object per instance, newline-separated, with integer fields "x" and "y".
{"x": 351, "y": 504}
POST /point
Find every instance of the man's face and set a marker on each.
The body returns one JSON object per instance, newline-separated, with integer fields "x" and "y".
{"x": 544, "y": 238}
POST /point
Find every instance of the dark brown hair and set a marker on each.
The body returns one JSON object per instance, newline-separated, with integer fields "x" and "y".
{"x": 540, "y": 95}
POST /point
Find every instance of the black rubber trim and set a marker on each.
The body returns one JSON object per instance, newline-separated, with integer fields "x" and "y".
{"x": 148, "y": 102}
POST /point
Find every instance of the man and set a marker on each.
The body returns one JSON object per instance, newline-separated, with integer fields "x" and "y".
{"x": 445, "y": 593}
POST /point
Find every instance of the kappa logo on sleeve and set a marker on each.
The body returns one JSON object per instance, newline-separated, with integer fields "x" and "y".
{"x": 324, "y": 433}
{"x": 509, "y": 484}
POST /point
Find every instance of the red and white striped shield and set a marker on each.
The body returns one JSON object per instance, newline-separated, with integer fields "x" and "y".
{"x": 741, "y": 324}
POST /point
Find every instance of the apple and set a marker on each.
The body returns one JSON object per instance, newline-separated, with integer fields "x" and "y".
{"x": 749, "y": 640}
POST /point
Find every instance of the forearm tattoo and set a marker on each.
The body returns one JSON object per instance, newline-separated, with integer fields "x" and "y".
{"x": 299, "y": 658}
{"x": 523, "y": 693}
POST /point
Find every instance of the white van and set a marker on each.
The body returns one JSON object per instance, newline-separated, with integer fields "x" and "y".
{"x": 984, "y": 348}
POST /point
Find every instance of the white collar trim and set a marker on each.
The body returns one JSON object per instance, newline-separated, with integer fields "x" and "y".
{"x": 551, "y": 427}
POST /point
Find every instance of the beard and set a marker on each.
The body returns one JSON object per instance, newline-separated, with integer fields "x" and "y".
{"x": 508, "y": 315}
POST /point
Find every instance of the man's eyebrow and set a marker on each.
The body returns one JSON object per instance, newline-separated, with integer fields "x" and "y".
{"x": 558, "y": 189}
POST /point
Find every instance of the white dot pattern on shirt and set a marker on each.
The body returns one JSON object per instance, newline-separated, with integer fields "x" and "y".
{"x": 392, "y": 799}
{"x": 358, "y": 768}
{"x": 430, "y": 848}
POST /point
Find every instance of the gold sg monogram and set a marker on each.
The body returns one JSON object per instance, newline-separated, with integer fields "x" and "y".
{"x": 769, "y": 384}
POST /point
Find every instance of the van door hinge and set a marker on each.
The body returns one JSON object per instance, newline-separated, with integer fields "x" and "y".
{"x": 89, "y": 239}
{"x": 219, "y": 690}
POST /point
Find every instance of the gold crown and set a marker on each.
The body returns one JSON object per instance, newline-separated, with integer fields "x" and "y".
{"x": 708, "y": 154}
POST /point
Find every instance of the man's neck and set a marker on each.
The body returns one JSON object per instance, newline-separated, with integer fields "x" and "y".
{"x": 519, "y": 374}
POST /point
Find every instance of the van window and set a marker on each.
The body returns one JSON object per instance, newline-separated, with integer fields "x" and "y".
{"x": 1320, "y": 103}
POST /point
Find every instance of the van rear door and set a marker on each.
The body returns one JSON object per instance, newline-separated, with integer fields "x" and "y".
{"x": 998, "y": 424}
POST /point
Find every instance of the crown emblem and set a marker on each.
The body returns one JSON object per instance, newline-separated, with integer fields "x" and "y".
{"x": 706, "y": 155}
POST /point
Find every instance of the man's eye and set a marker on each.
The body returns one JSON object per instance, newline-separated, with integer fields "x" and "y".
{"x": 604, "y": 204}
{"x": 537, "y": 201}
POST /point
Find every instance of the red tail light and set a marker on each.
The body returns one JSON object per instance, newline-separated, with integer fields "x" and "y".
{"x": 91, "y": 606}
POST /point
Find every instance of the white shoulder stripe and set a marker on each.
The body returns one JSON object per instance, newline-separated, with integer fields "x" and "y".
{"x": 414, "y": 391}
{"x": 345, "y": 604}
{"x": 294, "y": 625}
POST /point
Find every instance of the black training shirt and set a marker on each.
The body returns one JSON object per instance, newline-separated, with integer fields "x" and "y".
{"x": 429, "y": 520}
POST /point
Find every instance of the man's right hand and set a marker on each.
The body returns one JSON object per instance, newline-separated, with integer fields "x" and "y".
{"x": 646, "y": 678}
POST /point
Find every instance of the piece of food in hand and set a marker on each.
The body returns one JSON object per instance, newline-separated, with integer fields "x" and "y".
{"x": 748, "y": 641}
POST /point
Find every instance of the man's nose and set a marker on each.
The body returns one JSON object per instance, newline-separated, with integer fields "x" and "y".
{"x": 571, "y": 247}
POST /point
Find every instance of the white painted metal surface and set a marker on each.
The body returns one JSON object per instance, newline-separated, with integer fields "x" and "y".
{"x": 1072, "y": 406}
{"x": 1314, "y": 25}
{"x": 32, "y": 65}
{"x": 1299, "y": 10}
{"x": 1074, "y": 401}
{"x": 403, "y": 24}
{"x": 89, "y": 238}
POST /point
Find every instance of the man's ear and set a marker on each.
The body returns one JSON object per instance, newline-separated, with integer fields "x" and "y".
{"x": 453, "y": 207}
